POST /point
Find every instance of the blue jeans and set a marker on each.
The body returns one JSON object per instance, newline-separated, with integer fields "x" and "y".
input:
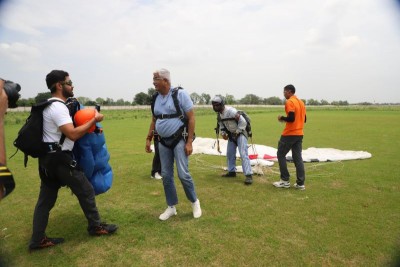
{"x": 167, "y": 156}
{"x": 243, "y": 151}
{"x": 294, "y": 143}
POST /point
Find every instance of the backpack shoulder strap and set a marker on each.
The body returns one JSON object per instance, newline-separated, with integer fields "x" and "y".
{"x": 175, "y": 97}
{"x": 153, "y": 102}
{"x": 176, "y": 102}
{"x": 218, "y": 121}
{"x": 44, "y": 104}
{"x": 218, "y": 117}
{"x": 55, "y": 100}
{"x": 73, "y": 106}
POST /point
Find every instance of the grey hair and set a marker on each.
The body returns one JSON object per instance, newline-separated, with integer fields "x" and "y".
{"x": 164, "y": 73}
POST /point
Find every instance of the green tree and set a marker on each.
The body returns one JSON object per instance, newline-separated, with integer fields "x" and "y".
{"x": 324, "y": 102}
{"x": 90, "y": 103}
{"x": 195, "y": 98}
{"x": 109, "y": 102}
{"x": 229, "y": 99}
{"x": 274, "y": 100}
{"x": 100, "y": 101}
{"x": 151, "y": 92}
{"x": 205, "y": 98}
{"x": 142, "y": 99}
{"x": 340, "y": 103}
{"x": 25, "y": 102}
{"x": 250, "y": 99}
{"x": 312, "y": 102}
{"x": 42, "y": 97}
{"x": 83, "y": 100}
{"x": 120, "y": 102}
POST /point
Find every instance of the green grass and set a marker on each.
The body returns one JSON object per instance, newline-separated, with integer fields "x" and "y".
{"x": 348, "y": 216}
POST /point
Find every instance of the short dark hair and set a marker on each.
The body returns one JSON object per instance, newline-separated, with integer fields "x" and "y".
{"x": 55, "y": 76}
{"x": 290, "y": 88}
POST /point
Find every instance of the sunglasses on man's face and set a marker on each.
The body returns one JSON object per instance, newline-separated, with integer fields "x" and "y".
{"x": 67, "y": 83}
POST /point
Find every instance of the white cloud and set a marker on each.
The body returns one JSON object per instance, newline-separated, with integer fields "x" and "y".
{"x": 19, "y": 52}
{"x": 349, "y": 41}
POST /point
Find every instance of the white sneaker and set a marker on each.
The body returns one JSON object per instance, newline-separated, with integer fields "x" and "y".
{"x": 282, "y": 184}
{"x": 196, "y": 209}
{"x": 157, "y": 176}
{"x": 169, "y": 212}
{"x": 300, "y": 187}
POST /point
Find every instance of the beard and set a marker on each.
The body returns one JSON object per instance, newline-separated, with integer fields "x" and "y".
{"x": 67, "y": 93}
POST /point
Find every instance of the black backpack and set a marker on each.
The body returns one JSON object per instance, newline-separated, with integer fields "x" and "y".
{"x": 245, "y": 116}
{"x": 30, "y": 136}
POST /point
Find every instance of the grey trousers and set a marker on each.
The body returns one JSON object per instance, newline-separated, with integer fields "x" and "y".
{"x": 294, "y": 143}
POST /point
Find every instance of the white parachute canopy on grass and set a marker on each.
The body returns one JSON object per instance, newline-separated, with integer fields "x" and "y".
{"x": 268, "y": 154}
{"x": 264, "y": 156}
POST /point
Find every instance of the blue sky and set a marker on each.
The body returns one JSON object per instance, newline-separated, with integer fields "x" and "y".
{"x": 331, "y": 50}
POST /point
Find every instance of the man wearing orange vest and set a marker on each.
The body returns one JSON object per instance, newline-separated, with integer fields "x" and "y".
{"x": 292, "y": 139}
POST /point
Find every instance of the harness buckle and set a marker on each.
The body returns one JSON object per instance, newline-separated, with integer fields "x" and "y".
{"x": 185, "y": 134}
{"x": 53, "y": 147}
{"x": 73, "y": 163}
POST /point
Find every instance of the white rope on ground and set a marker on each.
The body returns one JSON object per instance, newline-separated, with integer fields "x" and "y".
{"x": 314, "y": 169}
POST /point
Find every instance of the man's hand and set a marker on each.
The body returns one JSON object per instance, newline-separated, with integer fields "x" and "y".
{"x": 147, "y": 147}
{"x": 98, "y": 116}
{"x": 188, "y": 148}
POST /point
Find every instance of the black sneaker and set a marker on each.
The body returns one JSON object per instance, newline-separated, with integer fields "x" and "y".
{"x": 46, "y": 242}
{"x": 229, "y": 174}
{"x": 249, "y": 180}
{"x": 103, "y": 229}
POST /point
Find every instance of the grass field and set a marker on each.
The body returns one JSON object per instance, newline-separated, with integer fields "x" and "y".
{"x": 348, "y": 216}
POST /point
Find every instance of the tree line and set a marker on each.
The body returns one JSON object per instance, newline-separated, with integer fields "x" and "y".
{"x": 249, "y": 99}
{"x": 143, "y": 98}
